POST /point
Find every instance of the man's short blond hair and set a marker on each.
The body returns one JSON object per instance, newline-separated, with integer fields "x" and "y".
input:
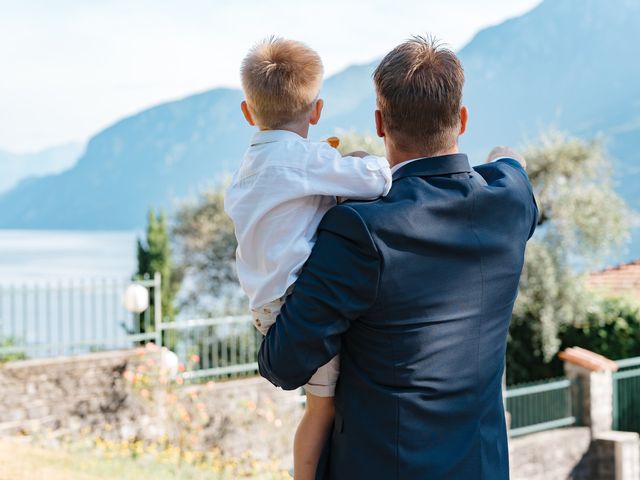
{"x": 281, "y": 80}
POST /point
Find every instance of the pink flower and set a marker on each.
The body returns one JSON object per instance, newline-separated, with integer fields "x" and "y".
{"x": 195, "y": 358}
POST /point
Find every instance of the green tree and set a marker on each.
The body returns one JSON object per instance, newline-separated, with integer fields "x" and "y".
{"x": 10, "y": 357}
{"x": 613, "y": 330}
{"x": 154, "y": 256}
{"x": 581, "y": 220}
{"x": 206, "y": 250}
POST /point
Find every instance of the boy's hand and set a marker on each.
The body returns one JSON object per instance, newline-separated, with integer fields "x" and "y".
{"x": 498, "y": 152}
{"x": 357, "y": 153}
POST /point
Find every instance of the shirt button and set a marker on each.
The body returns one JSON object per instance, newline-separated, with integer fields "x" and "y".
{"x": 258, "y": 323}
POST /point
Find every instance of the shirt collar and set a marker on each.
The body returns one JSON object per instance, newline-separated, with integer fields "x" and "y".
{"x": 270, "y": 136}
{"x": 432, "y": 166}
{"x": 398, "y": 166}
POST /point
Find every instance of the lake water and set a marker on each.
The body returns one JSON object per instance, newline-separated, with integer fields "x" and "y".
{"x": 62, "y": 289}
{"x": 30, "y": 256}
{"x": 61, "y": 293}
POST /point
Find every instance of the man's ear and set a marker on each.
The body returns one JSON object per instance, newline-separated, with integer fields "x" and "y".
{"x": 464, "y": 116}
{"x": 379, "y": 124}
{"x": 316, "y": 111}
{"x": 247, "y": 114}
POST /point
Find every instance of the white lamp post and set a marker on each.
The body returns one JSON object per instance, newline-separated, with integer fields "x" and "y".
{"x": 136, "y": 298}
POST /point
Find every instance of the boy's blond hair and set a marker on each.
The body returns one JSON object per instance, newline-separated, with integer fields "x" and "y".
{"x": 281, "y": 80}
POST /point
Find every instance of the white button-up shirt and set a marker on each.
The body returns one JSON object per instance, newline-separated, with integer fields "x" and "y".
{"x": 277, "y": 198}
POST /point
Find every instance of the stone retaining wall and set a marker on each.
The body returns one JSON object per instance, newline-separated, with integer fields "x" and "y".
{"x": 67, "y": 393}
{"x": 88, "y": 394}
{"x": 92, "y": 395}
{"x": 551, "y": 455}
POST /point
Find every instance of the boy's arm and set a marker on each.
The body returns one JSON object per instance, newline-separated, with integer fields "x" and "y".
{"x": 359, "y": 177}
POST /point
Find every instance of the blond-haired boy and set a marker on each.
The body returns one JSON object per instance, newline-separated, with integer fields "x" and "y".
{"x": 278, "y": 196}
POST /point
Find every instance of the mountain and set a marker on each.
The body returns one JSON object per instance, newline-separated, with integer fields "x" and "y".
{"x": 18, "y": 166}
{"x": 147, "y": 160}
{"x": 566, "y": 64}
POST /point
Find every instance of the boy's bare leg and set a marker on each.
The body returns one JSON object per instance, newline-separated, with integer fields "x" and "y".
{"x": 311, "y": 436}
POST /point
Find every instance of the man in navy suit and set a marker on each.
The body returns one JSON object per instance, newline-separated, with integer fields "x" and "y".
{"x": 415, "y": 292}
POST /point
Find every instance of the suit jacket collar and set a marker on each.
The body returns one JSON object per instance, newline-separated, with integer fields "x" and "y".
{"x": 432, "y": 166}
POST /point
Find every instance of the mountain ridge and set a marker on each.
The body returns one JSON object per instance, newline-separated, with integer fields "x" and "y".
{"x": 562, "y": 64}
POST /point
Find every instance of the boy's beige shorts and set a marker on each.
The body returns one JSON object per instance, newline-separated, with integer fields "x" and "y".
{"x": 323, "y": 382}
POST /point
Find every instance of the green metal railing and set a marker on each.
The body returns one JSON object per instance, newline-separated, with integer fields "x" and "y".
{"x": 79, "y": 316}
{"x": 540, "y": 406}
{"x": 626, "y": 395}
{"x": 67, "y": 317}
{"x": 225, "y": 347}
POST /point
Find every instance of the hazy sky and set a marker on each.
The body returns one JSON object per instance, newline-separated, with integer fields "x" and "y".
{"x": 72, "y": 67}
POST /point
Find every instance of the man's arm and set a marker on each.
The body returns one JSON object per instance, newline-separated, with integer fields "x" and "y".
{"x": 506, "y": 152}
{"x": 337, "y": 285}
{"x": 505, "y": 169}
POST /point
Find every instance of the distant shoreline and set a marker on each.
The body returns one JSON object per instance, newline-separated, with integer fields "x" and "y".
{"x": 41, "y": 256}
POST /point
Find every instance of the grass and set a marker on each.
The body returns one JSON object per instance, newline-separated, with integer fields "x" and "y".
{"x": 22, "y": 460}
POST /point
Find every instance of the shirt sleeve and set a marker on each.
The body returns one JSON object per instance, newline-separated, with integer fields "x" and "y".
{"x": 337, "y": 285}
{"x": 329, "y": 173}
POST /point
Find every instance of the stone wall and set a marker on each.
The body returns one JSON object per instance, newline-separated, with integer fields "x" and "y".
{"x": 551, "y": 455}
{"x": 67, "y": 393}
{"x": 94, "y": 395}
{"x": 572, "y": 453}
{"x": 89, "y": 394}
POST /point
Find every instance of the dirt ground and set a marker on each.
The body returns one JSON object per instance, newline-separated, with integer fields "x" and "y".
{"x": 21, "y": 460}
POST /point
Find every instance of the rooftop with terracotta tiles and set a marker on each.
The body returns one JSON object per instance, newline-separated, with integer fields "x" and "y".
{"x": 623, "y": 278}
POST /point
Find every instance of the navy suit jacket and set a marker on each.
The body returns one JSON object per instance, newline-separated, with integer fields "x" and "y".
{"x": 415, "y": 291}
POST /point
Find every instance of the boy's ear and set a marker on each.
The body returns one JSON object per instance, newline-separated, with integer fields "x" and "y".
{"x": 464, "y": 116}
{"x": 379, "y": 124}
{"x": 316, "y": 111}
{"x": 247, "y": 114}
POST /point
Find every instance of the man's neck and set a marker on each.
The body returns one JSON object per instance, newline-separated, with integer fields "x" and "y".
{"x": 396, "y": 156}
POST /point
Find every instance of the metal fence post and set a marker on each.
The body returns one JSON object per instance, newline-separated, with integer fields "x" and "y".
{"x": 157, "y": 307}
{"x": 615, "y": 424}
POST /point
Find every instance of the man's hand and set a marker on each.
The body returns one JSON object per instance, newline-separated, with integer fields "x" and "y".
{"x": 498, "y": 152}
{"x": 357, "y": 153}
